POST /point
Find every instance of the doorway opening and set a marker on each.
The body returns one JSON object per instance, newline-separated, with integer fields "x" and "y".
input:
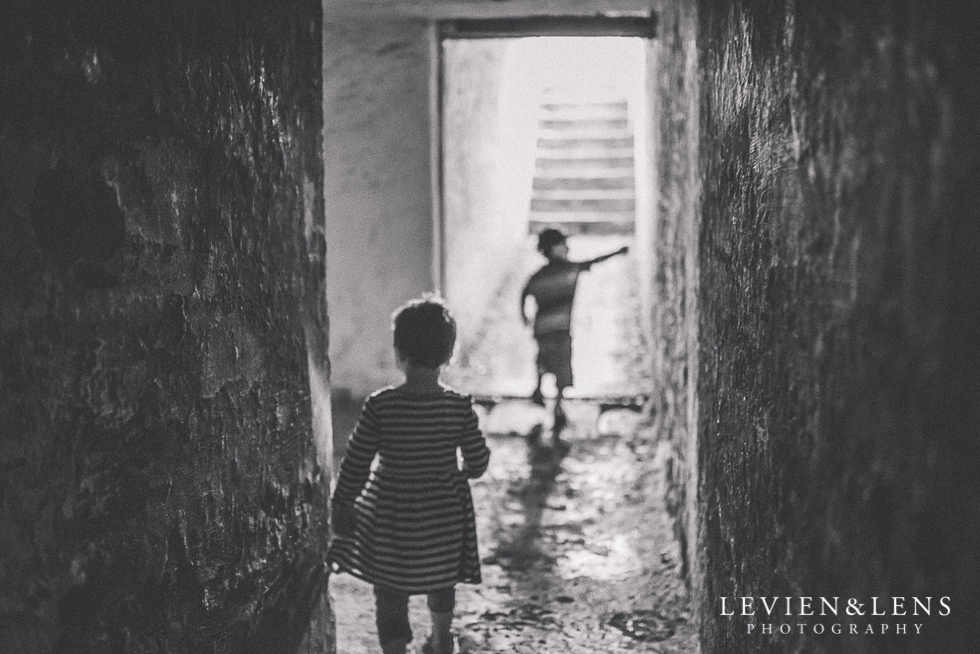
{"x": 543, "y": 123}
{"x": 545, "y": 132}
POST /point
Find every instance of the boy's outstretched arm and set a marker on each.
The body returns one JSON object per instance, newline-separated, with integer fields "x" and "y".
{"x": 622, "y": 250}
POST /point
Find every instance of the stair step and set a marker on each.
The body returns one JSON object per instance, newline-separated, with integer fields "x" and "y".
{"x": 571, "y": 205}
{"x": 582, "y": 172}
{"x": 558, "y": 104}
{"x": 574, "y": 133}
{"x": 583, "y": 223}
{"x": 585, "y": 194}
{"x": 584, "y": 168}
{"x": 582, "y": 216}
{"x": 585, "y": 110}
{"x": 583, "y": 183}
{"x": 565, "y": 94}
{"x": 586, "y": 123}
{"x": 608, "y": 153}
{"x": 585, "y": 164}
{"x": 584, "y": 143}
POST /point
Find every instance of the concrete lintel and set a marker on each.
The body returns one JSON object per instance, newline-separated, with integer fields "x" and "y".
{"x": 643, "y": 25}
{"x": 440, "y": 10}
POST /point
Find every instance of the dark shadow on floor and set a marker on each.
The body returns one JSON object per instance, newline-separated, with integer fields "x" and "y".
{"x": 520, "y": 549}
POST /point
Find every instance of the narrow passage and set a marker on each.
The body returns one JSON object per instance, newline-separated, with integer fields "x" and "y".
{"x": 579, "y": 551}
{"x": 577, "y": 548}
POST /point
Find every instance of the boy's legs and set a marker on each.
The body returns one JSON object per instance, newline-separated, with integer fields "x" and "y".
{"x": 563, "y": 379}
{"x": 555, "y": 356}
{"x": 560, "y": 420}
{"x": 537, "y": 397}
{"x": 543, "y": 364}
{"x": 394, "y": 631}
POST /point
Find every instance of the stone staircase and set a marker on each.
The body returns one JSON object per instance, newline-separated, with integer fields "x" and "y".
{"x": 583, "y": 177}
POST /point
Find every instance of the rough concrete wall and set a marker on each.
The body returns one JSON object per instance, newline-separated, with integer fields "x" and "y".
{"x": 489, "y": 129}
{"x": 646, "y": 134}
{"x": 840, "y": 317}
{"x": 162, "y": 302}
{"x": 378, "y": 191}
{"x": 673, "y": 92}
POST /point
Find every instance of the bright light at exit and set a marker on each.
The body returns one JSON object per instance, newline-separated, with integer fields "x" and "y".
{"x": 541, "y": 132}
{"x": 581, "y": 64}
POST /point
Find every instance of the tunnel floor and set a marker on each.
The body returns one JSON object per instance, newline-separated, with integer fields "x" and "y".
{"x": 578, "y": 553}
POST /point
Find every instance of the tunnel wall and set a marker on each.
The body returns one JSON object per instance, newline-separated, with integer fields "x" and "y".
{"x": 839, "y": 316}
{"x": 489, "y": 117}
{"x": 163, "y": 311}
{"x": 674, "y": 107}
{"x": 378, "y": 189}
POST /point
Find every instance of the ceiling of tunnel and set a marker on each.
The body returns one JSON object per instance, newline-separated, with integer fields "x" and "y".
{"x": 441, "y": 9}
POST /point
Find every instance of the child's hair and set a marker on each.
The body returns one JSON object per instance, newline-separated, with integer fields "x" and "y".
{"x": 549, "y": 238}
{"x": 424, "y": 332}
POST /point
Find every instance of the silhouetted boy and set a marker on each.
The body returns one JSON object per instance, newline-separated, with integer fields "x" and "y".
{"x": 553, "y": 290}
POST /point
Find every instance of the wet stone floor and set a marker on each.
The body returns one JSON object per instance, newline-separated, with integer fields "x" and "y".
{"x": 577, "y": 550}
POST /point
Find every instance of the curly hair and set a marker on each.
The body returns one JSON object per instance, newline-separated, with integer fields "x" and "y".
{"x": 424, "y": 332}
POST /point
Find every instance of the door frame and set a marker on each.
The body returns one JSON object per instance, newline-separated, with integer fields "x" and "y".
{"x": 642, "y": 25}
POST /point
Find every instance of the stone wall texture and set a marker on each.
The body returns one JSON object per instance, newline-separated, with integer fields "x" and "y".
{"x": 162, "y": 309}
{"x": 838, "y": 383}
{"x": 674, "y": 101}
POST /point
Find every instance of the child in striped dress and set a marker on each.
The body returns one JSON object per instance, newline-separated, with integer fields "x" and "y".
{"x": 408, "y": 525}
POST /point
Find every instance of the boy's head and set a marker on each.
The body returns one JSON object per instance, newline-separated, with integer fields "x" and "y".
{"x": 548, "y": 240}
{"x": 424, "y": 332}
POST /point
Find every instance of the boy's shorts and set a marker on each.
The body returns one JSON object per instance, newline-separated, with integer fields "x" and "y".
{"x": 555, "y": 356}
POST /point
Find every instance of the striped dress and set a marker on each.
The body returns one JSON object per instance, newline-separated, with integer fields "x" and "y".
{"x": 415, "y": 529}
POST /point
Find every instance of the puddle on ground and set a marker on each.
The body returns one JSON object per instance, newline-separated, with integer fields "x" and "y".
{"x": 645, "y": 626}
{"x": 607, "y": 560}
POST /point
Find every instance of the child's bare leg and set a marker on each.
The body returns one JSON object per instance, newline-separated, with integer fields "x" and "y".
{"x": 560, "y": 420}
{"x": 441, "y": 640}
{"x": 441, "y": 604}
{"x": 394, "y": 631}
{"x": 399, "y": 646}
{"x": 537, "y": 397}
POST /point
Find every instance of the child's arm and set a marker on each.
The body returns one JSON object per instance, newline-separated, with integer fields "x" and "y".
{"x": 476, "y": 454}
{"x": 622, "y": 250}
{"x": 524, "y": 295}
{"x": 356, "y": 466}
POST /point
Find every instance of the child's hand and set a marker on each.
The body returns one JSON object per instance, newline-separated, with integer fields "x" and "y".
{"x": 624, "y": 249}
